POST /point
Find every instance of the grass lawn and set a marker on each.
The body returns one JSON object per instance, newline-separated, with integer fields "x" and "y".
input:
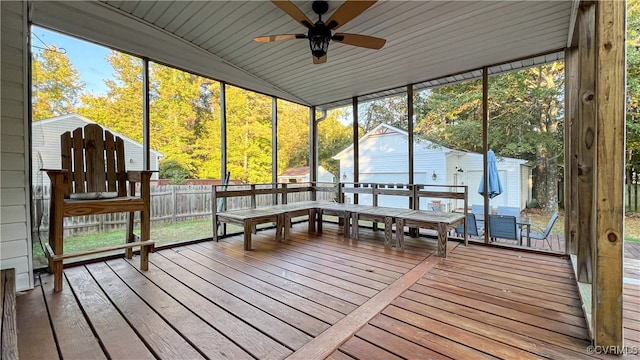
{"x": 200, "y": 229}
{"x": 161, "y": 233}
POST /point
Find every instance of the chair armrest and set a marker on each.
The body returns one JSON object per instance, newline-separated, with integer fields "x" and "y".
{"x": 57, "y": 174}
{"x": 55, "y": 171}
{"x": 139, "y": 175}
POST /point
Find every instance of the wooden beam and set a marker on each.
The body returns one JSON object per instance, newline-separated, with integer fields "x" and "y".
{"x": 571, "y": 150}
{"x": 609, "y": 174}
{"x": 586, "y": 143}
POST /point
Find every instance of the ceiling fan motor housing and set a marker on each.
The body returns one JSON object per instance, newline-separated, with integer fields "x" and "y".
{"x": 320, "y": 7}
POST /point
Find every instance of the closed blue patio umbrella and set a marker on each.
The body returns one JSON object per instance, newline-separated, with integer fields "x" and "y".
{"x": 495, "y": 187}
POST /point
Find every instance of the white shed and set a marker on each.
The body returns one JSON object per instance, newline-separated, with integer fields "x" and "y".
{"x": 302, "y": 174}
{"x": 46, "y": 146}
{"x": 384, "y": 159}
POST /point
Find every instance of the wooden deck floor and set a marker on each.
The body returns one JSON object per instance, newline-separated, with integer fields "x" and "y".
{"x": 307, "y": 297}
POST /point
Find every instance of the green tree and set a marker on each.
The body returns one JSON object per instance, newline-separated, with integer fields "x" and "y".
{"x": 526, "y": 117}
{"x": 293, "y": 135}
{"x": 391, "y": 111}
{"x": 333, "y": 137}
{"x": 633, "y": 83}
{"x": 56, "y": 84}
{"x": 120, "y": 108}
{"x": 181, "y": 106}
{"x": 174, "y": 171}
{"x": 248, "y": 135}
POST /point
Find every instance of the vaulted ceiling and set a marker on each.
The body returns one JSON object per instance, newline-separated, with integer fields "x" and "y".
{"x": 425, "y": 40}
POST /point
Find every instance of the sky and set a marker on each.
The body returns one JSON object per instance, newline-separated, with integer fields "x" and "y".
{"x": 89, "y": 59}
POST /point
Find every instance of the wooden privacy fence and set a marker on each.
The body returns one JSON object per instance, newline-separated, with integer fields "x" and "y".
{"x": 169, "y": 204}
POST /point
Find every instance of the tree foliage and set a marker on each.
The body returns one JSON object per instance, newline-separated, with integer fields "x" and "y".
{"x": 333, "y": 137}
{"x": 174, "y": 171}
{"x": 391, "y": 111}
{"x": 293, "y": 135}
{"x": 633, "y": 83}
{"x": 525, "y": 120}
{"x": 56, "y": 84}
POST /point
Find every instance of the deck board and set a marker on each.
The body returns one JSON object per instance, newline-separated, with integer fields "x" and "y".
{"x": 119, "y": 339}
{"x": 316, "y": 297}
{"x": 193, "y": 328}
{"x": 310, "y": 293}
{"x": 35, "y": 323}
{"x": 272, "y": 326}
{"x": 219, "y": 312}
{"x": 161, "y": 337}
{"x": 468, "y": 299}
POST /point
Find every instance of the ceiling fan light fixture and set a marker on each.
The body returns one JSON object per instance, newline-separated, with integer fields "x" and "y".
{"x": 319, "y": 37}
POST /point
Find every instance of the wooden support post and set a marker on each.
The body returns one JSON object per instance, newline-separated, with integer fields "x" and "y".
{"x": 356, "y": 146}
{"x": 214, "y": 212}
{"x": 485, "y": 149}
{"x": 571, "y": 150}
{"x": 131, "y": 216}
{"x": 609, "y": 173}
{"x": 410, "y": 139}
{"x": 587, "y": 141}
{"x": 56, "y": 216}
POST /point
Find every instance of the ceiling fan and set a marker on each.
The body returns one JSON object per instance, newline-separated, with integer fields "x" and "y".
{"x": 320, "y": 32}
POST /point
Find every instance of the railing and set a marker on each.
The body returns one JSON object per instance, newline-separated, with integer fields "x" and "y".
{"x": 408, "y": 196}
{"x": 169, "y": 204}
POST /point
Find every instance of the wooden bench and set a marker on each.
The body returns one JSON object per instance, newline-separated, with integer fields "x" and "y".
{"x": 9, "y": 336}
{"x": 280, "y": 213}
{"x": 413, "y": 216}
{"x": 442, "y": 222}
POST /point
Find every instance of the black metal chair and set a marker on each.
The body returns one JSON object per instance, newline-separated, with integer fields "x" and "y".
{"x": 503, "y": 227}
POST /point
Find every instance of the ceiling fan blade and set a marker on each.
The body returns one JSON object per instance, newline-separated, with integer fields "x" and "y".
{"x": 346, "y": 12}
{"x": 272, "y": 38}
{"x": 322, "y": 60}
{"x": 365, "y": 41}
{"x": 294, "y": 12}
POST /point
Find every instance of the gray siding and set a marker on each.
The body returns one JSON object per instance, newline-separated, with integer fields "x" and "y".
{"x": 15, "y": 224}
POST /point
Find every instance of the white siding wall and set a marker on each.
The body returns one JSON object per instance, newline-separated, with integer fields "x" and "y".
{"x": 15, "y": 224}
{"x": 384, "y": 159}
{"x": 509, "y": 171}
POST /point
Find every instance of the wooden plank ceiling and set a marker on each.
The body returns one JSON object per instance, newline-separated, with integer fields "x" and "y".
{"x": 425, "y": 40}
